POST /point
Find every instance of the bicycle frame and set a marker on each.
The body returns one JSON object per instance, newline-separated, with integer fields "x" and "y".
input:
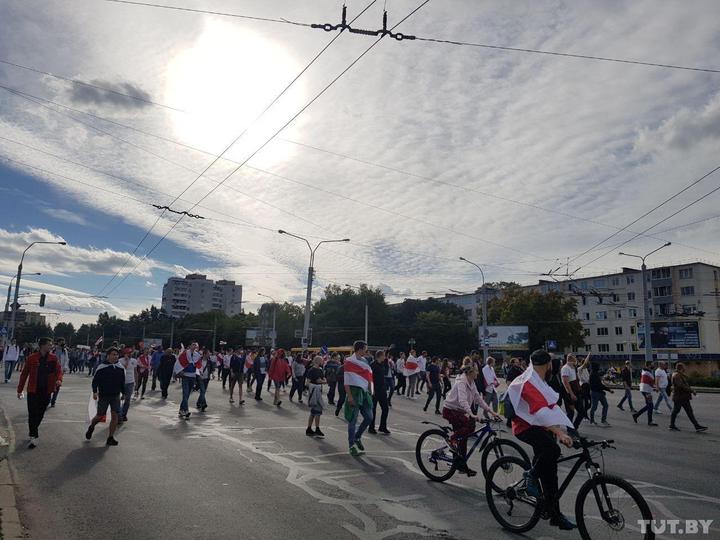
{"x": 583, "y": 458}
{"x": 483, "y": 436}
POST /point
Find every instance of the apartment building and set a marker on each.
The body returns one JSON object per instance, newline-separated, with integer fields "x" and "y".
{"x": 196, "y": 294}
{"x": 684, "y": 306}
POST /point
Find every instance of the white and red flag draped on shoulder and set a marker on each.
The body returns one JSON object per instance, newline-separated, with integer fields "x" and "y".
{"x": 358, "y": 373}
{"x": 535, "y": 402}
{"x": 411, "y": 364}
{"x": 188, "y": 362}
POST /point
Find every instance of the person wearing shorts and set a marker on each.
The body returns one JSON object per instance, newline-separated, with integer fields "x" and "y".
{"x": 107, "y": 385}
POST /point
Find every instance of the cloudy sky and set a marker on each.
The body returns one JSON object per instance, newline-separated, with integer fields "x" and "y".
{"x": 420, "y": 153}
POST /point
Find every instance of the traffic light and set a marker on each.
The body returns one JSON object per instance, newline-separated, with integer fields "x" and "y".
{"x": 42, "y": 300}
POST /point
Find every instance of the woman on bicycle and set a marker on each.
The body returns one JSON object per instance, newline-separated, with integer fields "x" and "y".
{"x": 538, "y": 421}
{"x": 458, "y": 411}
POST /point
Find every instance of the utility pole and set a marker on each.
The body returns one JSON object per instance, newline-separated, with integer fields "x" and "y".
{"x": 311, "y": 272}
{"x": 484, "y": 344}
{"x": 17, "y": 285}
{"x": 274, "y": 313}
{"x": 646, "y": 301}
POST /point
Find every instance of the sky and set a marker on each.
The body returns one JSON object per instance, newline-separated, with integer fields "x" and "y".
{"x": 421, "y": 152}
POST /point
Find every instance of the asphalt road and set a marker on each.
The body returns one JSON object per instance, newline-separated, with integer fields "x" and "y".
{"x": 250, "y": 472}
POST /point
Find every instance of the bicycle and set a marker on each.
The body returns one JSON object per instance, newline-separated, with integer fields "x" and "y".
{"x": 438, "y": 460}
{"x": 599, "y": 509}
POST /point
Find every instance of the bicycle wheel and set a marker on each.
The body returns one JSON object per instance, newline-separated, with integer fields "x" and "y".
{"x": 434, "y": 456}
{"x": 610, "y": 507}
{"x": 514, "y": 509}
{"x": 499, "y": 448}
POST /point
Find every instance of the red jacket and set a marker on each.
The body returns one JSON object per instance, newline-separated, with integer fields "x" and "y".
{"x": 279, "y": 369}
{"x": 30, "y": 373}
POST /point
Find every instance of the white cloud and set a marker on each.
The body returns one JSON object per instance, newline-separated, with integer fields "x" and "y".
{"x": 600, "y": 140}
{"x": 65, "y": 215}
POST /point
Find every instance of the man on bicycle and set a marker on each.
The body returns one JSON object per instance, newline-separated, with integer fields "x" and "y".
{"x": 538, "y": 421}
{"x": 458, "y": 411}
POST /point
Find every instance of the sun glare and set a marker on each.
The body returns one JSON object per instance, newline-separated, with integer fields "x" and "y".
{"x": 223, "y": 81}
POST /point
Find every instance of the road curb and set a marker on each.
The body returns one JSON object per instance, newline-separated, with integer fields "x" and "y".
{"x": 10, "y": 525}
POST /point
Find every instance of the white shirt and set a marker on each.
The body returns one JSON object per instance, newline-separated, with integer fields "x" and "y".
{"x": 226, "y": 361}
{"x": 584, "y": 375}
{"x": 490, "y": 378}
{"x": 130, "y": 364}
{"x": 422, "y": 362}
{"x": 661, "y": 378}
{"x": 569, "y": 372}
{"x": 12, "y": 352}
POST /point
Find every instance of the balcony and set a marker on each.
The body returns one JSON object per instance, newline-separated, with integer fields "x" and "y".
{"x": 661, "y": 282}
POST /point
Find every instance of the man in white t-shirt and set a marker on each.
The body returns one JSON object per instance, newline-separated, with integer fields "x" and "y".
{"x": 573, "y": 403}
{"x": 130, "y": 365}
{"x": 491, "y": 384}
{"x": 661, "y": 382}
{"x": 10, "y": 357}
{"x": 422, "y": 363}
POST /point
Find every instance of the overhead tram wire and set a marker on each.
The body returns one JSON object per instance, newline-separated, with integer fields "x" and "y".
{"x": 567, "y": 55}
{"x": 90, "y": 85}
{"x": 228, "y": 147}
{"x": 303, "y": 109}
{"x": 209, "y": 12}
{"x": 689, "y": 186}
{"x": 32, "y": 97}
{"x": 715, "y": 190}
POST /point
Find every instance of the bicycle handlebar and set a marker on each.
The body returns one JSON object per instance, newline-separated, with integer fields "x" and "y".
{"x": 583, "y": 443}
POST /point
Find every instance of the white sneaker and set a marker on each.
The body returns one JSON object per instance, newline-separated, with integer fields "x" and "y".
{"x": 33, "y": 443}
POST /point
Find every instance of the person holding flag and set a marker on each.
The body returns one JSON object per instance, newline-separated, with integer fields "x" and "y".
{"x": 189, "y": 363}
{"x": 358, "y": 382}
{"x": 412, "y": 368}
{"x": 539, "y": 421}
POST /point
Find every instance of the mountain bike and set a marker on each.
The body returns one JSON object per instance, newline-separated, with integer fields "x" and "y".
{"x": 606, "y": 506}
{"x": 438, "y": 458}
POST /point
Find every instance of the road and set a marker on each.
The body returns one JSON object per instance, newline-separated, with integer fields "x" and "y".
{"x": 250, "y": 472}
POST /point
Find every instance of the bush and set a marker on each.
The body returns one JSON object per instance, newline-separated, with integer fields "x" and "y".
{"x": 704, "y": 381}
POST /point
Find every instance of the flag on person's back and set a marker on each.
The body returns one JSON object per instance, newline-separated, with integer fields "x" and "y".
{"x": 535, "y": 402}
{"x": 357, "y": 373}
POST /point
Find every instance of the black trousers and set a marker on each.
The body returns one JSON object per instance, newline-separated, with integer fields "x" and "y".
{"x": 165, "y": 377}
{"x": 688, "y": 410}
{"x": 546, "y": 452}
{"x": 434, "y": 391}
{"x": 153, "y": 385}
{"x": 37, "y": 404}
{"x": 331, "y": 392}
{"x": 380, "y": 399}
{"x": 400, "y": 388}
{"x": 298, "y": 385}
{"x": 341, "y": 397}
{"x": 260, "y": 379}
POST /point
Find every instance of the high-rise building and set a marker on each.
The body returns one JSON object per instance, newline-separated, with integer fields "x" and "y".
{"x": 196, "y": 294}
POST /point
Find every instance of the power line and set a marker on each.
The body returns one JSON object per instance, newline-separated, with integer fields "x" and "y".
{"x": 317, "y": 96}
{"x": 695, "y": 182}
{"x": 208, "y": 12}
{"x": 658, "y": 223}
{"x": 217, "y": 158}
{"x": 89, "y": 85}
{"x": 567, "y": 55}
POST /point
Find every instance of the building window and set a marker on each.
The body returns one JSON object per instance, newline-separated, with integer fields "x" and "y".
{"x": 665, "y": 291}
{"x": 586, "y": 331}
{"x": 618, "y": 314}
{"x": 689, "y": 309}
{"x": 631, "y": 296}
{"x": 634, "y": 347}
{"x": 600, "y": 283}
{"x": 633, "y": 330}
{"x": 632, "y": 312}
{"x": 615, "y": 297}
{"x": 588, "y": 348}
{"x": 587, "y": 316}
{"x": 599, "y": 299}
{"x": 661, "y": 273}
{"x": 630, "y": 279}
{"x": 603, "y": 347}
{"x": 601, "y": 315}
{"x": 584, "y": 301}
{"x": 666, "y": 309}
{"x": 620, "y": 347}
{"x": 583, "y": 285}
{"x": 687, "y": 291}
{"x": 602, "y": 331}
{"x": 616, "y": 282}
{"x": 618, "y": 331}
{"x": 686, "y": 273}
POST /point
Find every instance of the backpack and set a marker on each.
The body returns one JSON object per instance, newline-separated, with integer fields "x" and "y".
{"x": 331, "y": 373}
{"x": 508, "y": 411}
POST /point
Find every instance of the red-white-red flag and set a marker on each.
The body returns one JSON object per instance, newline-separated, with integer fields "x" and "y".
{"x": 357, "y": 373}
{"x": 99, "y": 341}
{"x": 535, "y": 402}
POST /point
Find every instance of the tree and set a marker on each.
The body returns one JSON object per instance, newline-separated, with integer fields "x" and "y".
{"x": 30, "y": 333}
{"x": 550, "y": 316}
{"x": 66, "y": 331}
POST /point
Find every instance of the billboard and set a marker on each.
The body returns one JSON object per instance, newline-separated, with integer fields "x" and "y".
{"x": 507, "y": 337}
{"x": 671, "y": 335}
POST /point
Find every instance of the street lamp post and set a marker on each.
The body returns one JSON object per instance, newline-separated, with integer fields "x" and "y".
{"x": 7, "y": 301}
{"x": 308, "y": 296}
{"x": 366, "y": 308}
{"x": 646, "y": 303}
{"x": 17, "y": 285}
{"x": 485, "y": 347}
{"x": 274, "y": 332}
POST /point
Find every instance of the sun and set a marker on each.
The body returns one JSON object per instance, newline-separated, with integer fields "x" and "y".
{"x": 223, "y": 82}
